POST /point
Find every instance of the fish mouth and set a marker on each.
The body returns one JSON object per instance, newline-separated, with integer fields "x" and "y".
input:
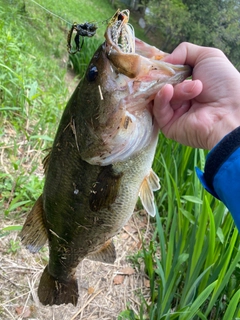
{"x": 131, "y": 56}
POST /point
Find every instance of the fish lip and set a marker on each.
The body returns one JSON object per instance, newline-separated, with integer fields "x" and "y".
{"x": 119, "y": 29}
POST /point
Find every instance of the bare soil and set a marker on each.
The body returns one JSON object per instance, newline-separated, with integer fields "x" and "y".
{"x": 104, "y": 290}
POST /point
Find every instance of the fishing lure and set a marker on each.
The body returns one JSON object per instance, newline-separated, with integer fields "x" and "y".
{"x": 82, "y": 30}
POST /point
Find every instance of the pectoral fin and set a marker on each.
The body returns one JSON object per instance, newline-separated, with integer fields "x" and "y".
{"x": 107, "y": 253}
{"x": 154, "y": 181}
{"x": 149, "y": 184}
{"x": 34, "y": 233}
{"x": 105, "y": 189}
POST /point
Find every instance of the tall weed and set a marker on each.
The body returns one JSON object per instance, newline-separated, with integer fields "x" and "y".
{"x": 32, "y": 93}
{"x": 193, "y": 261}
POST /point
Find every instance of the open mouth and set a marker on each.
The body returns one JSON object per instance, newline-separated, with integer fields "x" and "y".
{"x": 120, "y": 34}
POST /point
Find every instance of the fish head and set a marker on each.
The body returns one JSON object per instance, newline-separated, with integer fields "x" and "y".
{"x": 120, "y": 84}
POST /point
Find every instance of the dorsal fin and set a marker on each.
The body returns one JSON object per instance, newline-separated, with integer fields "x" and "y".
{"x": 149, "y": 184}
{"x": 45, "y": 161}
{"x": 34, "y": 233}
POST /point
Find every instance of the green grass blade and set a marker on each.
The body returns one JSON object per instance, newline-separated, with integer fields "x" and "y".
{"x": 211, "y": 246}
{"x": 192, "y": 311}
{"x": 199, "y": 240}
{"x": 225, "y": 272}
{"x": 232, "y": 307}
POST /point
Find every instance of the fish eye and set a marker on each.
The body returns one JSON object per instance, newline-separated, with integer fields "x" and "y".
{"x": 92, "y": 73}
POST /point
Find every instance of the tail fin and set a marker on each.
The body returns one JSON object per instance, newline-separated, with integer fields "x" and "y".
{"x": 53, "y": 291}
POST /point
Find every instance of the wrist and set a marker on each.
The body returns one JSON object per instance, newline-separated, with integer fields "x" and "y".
{"x": 221, "y": 132}
{"x": 219, "y": 154}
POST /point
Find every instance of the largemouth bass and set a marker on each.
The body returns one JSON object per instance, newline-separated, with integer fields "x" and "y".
{"x": 101, "y": 159}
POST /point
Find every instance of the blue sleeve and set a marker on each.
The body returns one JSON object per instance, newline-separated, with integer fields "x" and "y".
{"x": 221, "y": 176}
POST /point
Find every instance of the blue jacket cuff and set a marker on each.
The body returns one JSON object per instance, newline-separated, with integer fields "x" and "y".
{"x": 200, "y": 175}
{"x": 222, "y": 171}
{"x": 217, "y": 157}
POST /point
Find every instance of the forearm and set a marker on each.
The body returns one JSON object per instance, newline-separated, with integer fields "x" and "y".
{"x": 221, "y": 175}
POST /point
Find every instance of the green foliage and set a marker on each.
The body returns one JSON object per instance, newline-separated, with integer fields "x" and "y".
{"x": 5, "y": 231}
{"x": 171, "y": 19}
{"x": 30, "y": 105}
{"x": 208, "y": 23}
{"x": 14, "y": 246}
{"x": 193, "y": 260}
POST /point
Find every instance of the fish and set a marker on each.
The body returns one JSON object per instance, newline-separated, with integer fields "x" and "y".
{"x": 101, "y": 159}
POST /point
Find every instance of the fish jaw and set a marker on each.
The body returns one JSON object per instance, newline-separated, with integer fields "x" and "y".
{"x": 145, "y": 73}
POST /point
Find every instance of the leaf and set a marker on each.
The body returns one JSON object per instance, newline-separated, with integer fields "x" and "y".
{"x": 9, "y": 108}
{"x": 232, "y": 307}
{"x": 33, "y": 90}
{"x": 130, "y": 229}
{"x": 125, "y": 236}
{"x": 118, "y": 279}
{"x": 192, "y": 199}
{"x": 12, "y": 228}
{"x": 127, "y": 271}
{"x": 220, "y": 235}
{"x": 23, "y": 311}
{"x": 41, "y": 137}
{"x": 5, "y": 231}
{"x": 91, "y": 290}
{"x": 14, "y": 206}
{"x": 146, "y": 283}
{"x": 198, "y": 302}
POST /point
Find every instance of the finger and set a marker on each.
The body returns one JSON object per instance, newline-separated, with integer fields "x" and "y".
{"x": 162, "y": 110}
{"x": 191, "y": 54}
{"x": 185, "y": 53}
{"x": 185, "y": 91}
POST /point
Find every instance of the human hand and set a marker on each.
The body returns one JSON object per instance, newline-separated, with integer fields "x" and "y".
{"x": 201, "y": 111}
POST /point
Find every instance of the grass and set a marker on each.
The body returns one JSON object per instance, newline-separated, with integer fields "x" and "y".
{"x": 31, "y": 103}
{"x": 193, "y": 259}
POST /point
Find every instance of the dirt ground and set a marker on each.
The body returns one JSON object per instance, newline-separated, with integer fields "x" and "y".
{"x": 104, "y": 290}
